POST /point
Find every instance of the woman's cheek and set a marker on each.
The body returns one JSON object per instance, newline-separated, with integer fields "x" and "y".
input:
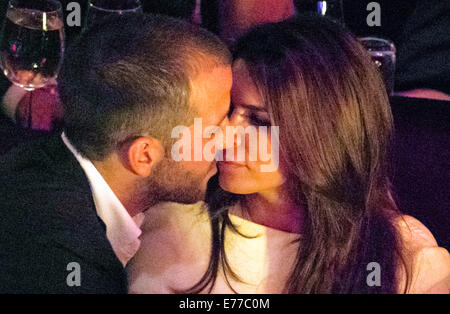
{"x": 265, "y": 158}
{"x": 265, "y": 169}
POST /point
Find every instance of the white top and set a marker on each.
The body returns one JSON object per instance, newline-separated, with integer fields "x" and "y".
{"x": 176, "y": 246}
{"x": 122, "y": 230}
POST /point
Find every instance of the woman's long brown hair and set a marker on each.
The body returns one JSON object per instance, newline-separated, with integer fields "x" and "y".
{"x": 321, "y": 88}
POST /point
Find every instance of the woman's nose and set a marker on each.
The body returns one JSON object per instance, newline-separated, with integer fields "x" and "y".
{"x": 230, "y": 138}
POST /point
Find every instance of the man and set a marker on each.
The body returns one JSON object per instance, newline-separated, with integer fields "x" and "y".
{"x": 71, "y": 207}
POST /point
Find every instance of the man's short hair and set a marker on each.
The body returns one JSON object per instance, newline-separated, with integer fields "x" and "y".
{"x": 130, "y": 76}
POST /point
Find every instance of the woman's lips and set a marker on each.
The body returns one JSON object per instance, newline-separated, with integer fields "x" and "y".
{"x": 234, "y": 164}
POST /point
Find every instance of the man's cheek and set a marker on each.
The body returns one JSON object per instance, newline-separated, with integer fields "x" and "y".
{"x": 196, "y": 167}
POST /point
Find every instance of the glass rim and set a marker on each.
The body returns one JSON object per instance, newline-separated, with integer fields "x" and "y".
{"x": 56, "y": 3}
{"x": 387, "y": 43}
{"x": 375, "y": 39}
{"x": 138, "y": 5}
{"x": 116, "y": 10}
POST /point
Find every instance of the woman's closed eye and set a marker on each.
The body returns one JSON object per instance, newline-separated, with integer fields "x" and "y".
{"x": 231, "y": 110}
{"x": 257, "y": 119}
{"x": 252, "y": 116}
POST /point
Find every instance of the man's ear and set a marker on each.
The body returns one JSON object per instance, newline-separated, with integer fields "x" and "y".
{"x": 141, "y": 155}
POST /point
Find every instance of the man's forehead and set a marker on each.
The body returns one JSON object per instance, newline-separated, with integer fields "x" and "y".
{"x": 211, "y": 85}
{"x": 218, "y": 76}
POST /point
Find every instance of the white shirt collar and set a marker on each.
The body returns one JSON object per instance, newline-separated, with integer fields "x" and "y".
{"x": 122, "y": 230}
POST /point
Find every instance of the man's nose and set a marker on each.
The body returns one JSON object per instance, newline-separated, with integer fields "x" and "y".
{"x": 231, "y": 141}
{"x": 224, "y": 144}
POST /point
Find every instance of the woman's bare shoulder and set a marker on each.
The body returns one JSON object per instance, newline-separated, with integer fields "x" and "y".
{"x": 428, "y": 264}
{"x": 172, "y": 229}
{"x": 168, "y": 215}
{"x": 174, "y": 244}
{"x": 414, "y": 232}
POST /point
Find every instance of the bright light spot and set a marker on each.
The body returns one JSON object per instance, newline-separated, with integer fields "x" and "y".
{"x": 322, "y": 7}
{"x": 44, "y": 21}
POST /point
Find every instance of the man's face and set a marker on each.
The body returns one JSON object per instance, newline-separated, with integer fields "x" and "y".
{"x": 185, "y": 181}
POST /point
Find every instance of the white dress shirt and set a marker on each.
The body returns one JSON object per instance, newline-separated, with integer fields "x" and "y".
{"x": 122, "y": 230}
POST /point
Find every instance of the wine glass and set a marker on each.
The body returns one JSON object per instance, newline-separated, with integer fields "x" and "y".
{"x": 32, "y": 44}
{"x": 382, "y": 52}
{"x": 99, "y": 9}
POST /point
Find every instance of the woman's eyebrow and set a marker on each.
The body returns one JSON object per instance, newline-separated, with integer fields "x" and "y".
{"x": 253, "y": 107}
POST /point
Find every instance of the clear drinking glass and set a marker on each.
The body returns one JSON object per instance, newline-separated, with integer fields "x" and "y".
{"x": 32, "y": 44}
{"x": 99, "y": 9}
{"x": 382, "y": 52}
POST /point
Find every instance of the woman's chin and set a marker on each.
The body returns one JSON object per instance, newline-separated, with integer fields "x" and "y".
{"x": 227, "y": 183}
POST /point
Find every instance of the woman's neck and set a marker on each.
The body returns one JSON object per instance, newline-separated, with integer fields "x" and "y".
{"x": 275, "y": 209}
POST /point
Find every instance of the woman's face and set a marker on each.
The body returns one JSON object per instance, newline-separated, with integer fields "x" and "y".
{"x": 258, "y": 169}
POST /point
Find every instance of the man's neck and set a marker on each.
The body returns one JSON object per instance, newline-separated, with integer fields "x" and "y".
{"x": 123, "y": 184}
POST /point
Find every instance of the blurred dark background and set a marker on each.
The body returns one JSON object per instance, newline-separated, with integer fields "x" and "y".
{"x": 419, "y": 29}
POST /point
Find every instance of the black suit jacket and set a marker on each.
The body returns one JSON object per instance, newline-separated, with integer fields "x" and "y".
{"x": 48, "y": 220}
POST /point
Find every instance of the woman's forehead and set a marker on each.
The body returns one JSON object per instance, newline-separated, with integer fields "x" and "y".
{"x": 244, "y": 91}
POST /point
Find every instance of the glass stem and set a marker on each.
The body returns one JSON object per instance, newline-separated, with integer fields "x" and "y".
{"x": 30, "y": 113}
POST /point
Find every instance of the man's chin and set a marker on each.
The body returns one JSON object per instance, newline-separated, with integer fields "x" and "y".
{"x": 182, "y": 186}
{"x": 191, "y": 193}
{"x": 211, "y": 173}
{"x": 190, "y": 197}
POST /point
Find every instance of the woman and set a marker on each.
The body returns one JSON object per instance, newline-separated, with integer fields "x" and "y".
{"x": 325, "y": 220}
